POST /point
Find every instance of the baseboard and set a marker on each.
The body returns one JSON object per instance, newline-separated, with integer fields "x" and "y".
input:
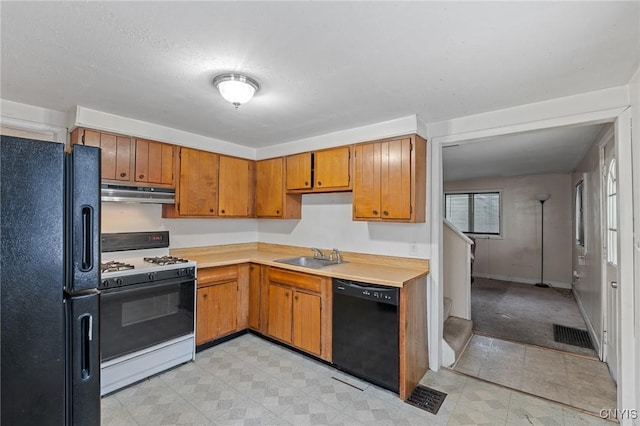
{"x": 592, "y": 332}
{"x": 521, "y": 280}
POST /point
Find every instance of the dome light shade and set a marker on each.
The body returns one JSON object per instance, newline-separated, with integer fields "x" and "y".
{"x": 543, "y": 196}
{"x": 236, "y": 88}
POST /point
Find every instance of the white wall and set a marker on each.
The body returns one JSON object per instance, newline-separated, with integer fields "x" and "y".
{"x": 588, "y": 285}
{"x": 515, "y": 256}
{"x": 131, "y": 217}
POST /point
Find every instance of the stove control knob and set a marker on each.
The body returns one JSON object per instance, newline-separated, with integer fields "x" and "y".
{"x": 181, "y": 272}
{"x": 105, "y": 283}
{"x": 118, "y": 281}
{"x": 151, "y": 276}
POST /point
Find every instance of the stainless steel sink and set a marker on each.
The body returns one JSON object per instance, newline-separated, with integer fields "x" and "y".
{"x": 308, "y": 262}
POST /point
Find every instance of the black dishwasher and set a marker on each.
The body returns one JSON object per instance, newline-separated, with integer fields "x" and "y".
{"x": 365, "y": 331}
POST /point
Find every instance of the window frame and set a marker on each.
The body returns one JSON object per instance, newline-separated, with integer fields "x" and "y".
{"x": 499, "y": 234}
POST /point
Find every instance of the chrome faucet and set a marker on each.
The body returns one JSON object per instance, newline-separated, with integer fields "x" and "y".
{"x": 338, "y": 256}
{"x": 317, "y": 253}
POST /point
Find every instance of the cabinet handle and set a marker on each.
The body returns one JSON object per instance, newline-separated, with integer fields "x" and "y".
{"x": 222, "y": 211}
{"x": 306, "y": 183}
{"x": 122, "y": 174}
{"x": 210, "y": 210}
{"x": 386, "y": 213}
{"x": 141, "y": 176}
{"x": 204, "y": 296}
{"x": 375, "y": 212}
{"x": 319, "y": 183}
{"x": 286, "y": 295}
{"x": 277, "y": 211}
{"x": 296, "y": 297}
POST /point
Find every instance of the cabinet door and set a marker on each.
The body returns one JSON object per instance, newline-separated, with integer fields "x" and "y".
{"x": 254, "y": 297}
{"x": 279, "y": 322}
{"x": 306, "y": 322}
{"x": 116, "y": 154}
{"x": 396, "y": 179}
{"x": 269, "y": 188}
{"x": 235, "y": 184}
{"x": 366, "y": 180}
{"x": 225, "y": 319}
{"x": 331, "y": 168}
{"x": 204, "y": 313}
{"x": 198, "y": 183}
{"x": 298, "y": 171}
{"x": 154, "y": 162}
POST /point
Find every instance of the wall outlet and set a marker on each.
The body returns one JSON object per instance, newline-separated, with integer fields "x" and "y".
{"x": 413, "y": 249}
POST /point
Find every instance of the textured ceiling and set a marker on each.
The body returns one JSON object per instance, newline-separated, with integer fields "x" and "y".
{"x": 323, "y": 66}
{"x": 557, "y": 150}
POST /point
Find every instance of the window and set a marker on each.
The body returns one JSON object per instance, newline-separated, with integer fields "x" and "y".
{"x": 474, "y": 212}
{"x": 580, "y": 213}
{"x": 612, "y": 226}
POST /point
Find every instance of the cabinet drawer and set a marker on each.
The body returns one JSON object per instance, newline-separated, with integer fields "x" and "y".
{"x": 295, "y": 279}
{"x": 219, "y": 274}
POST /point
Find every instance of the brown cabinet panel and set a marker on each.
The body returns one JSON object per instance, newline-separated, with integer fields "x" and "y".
{"x": 109, "y": 156}
{"x": 306, "y": 322}
{"x": 296, "y": 279}
{"x": 254, "y": 297}
{"x": 366, "y": 180}
{"x": 204, "y": 308}
{"x": 298, "y": 171}
{"x": 396, "y": 179}
{"x": 116, "y": 152}
{"x": 198, "y": 188}
{"x": 331, "y": 168}
{"x": 154, "y": 162}
{"x": 236, "y": 181}
{"x": 218, "y": 303}
{"x": 272, "y": 201}
{"x": 123, "y": 158}
{"x": 280, "y": 314}
{"x": 226, "y": 300}
{"x": 390, "y": 180}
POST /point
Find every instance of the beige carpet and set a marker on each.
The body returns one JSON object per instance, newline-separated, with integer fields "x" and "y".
{"x": 524, "y": 313}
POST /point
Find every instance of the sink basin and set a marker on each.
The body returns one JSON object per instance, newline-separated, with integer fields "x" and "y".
{"x": 307, "y": 262}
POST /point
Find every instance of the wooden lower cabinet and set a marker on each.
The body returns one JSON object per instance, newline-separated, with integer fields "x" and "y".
{"x": 297, "y": 310}
{"x": 222, "y": 301}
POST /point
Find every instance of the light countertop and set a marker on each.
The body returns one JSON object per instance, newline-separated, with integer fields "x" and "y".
{"x": 374, "y": 269}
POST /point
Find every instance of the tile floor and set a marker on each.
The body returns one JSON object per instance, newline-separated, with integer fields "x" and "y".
{"x": 249, "y": 381}
{"x": 574, "y": 380}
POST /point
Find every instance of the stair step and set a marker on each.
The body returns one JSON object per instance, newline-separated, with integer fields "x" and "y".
{"x": 457, "y": 332}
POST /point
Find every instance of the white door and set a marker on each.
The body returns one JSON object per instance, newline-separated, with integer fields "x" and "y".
{"x": 610, "y": 256}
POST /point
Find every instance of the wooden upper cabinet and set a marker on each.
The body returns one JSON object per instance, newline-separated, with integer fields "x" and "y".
{"x": 331, "y": 169}
{"x": 390, "y": 180}
{"x": 154, "y": 162}
{"x": 319, "y": 171}
{"x": 197, "y": 193}
{"x": 116, "y": 152}
{"x": 272, "y": 201}
{"x": 236, "y": 179}
{"x": 298, "y": 171}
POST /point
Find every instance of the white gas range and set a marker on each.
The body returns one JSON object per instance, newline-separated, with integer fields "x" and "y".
{"x": 147, "y": 308}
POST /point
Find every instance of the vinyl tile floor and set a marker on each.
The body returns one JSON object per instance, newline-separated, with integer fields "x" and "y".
{"x": 571, "y": 379}
{"x": 250, "y": 381}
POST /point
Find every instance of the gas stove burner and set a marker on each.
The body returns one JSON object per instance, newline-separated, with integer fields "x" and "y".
{"x": 165, "y": 260}
{"x": 115, "y": 266}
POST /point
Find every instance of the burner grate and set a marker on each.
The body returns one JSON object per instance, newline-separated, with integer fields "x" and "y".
{"x": 115, "y": 266}
{"x": 165, "y": 260}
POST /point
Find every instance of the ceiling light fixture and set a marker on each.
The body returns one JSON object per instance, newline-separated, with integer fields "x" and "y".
{"x": 236, "y": 88}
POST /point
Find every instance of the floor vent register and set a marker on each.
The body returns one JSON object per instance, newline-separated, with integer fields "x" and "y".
{"x": 572, "y": 336}
{"x": 426, "y": 398}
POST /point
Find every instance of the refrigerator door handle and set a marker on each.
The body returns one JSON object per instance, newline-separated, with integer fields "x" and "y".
{"x": 86, "y": 336}
{"x": 87, "y": 238}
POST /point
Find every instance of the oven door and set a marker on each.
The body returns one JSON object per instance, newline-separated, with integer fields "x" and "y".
{"x": 137, "y": 317}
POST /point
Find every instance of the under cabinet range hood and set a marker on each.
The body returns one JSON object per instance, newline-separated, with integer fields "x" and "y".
{"x": 137, "y": 194}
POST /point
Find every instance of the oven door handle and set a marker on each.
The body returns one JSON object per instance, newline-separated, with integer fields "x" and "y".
{"x": 146, "y": 286}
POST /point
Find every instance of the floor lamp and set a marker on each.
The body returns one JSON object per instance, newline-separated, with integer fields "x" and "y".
{"x": 542, "y": 197}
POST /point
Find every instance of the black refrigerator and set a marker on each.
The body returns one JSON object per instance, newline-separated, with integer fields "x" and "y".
{"x": 49, "y": 272}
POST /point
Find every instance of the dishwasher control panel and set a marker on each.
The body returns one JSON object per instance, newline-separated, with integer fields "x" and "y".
{"x": 388, "y": 295}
